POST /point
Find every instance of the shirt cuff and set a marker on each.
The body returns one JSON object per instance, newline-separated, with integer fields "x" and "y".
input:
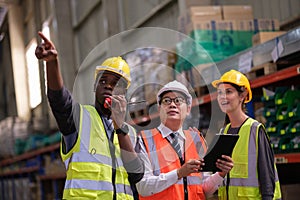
{"x": 172, "y": 176}
{"x": 217, "y": 179}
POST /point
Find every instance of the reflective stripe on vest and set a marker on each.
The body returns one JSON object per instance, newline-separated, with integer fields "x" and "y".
{"x": 249, "y": 131}
{"x": 164, "y": 159}
{"x": 199, "y": 142}
{"x": 152, "y": 152}
{"x": 89, "y": 163}
{"x": 96, "y": 185}
{"x": 191, "y": 180}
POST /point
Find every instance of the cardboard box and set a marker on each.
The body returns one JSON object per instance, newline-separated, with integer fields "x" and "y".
{"x": 245, "y": 25}
{"x": 266, "y": 24}
{"x": 262, "y": 37}
{"x": 240, "y": 12}
{"x": 225, "y": 25}
{"x": 257, "y": 25}
{"x": 197, "y": 13}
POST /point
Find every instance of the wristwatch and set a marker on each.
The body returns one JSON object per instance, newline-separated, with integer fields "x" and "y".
{"x": 124, "y": 129}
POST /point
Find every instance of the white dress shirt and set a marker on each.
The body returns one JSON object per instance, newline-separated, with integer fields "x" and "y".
{"x": 151, "y": 184}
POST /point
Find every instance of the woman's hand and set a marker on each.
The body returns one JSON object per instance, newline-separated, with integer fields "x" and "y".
{"x": 225, "y": 165}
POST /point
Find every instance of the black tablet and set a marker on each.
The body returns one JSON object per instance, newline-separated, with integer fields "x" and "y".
{"x": 222, "y": 144}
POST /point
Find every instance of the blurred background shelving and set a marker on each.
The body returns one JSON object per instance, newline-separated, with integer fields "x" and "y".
{"x": 260, "y": 38}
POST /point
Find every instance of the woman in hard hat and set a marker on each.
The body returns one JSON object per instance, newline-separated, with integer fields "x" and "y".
{"x": 96, "y": 148}
{"x": 254, "y": 175}
{"x": 173, "y": 155}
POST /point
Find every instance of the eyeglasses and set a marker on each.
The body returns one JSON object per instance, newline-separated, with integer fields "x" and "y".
{"x": 178, "y": 101}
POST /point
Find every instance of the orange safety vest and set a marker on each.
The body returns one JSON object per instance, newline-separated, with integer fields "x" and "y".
{"x": 164, "y": 159}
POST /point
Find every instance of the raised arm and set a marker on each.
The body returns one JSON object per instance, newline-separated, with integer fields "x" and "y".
{"x": 46, "y": 51}
{"x": 60, "y": 98}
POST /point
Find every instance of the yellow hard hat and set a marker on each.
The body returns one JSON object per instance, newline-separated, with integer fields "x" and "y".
{"x": 236, "y": 78}
{"x": 116, "y": 65}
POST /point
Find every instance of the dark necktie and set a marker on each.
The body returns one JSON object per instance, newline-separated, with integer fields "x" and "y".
{"x": 177, "y": 148}
{"x": 109, "y": 128}
{"x": 175, "y": 144}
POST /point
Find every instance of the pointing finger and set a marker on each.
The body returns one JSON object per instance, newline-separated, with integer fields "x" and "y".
{"x": 43, "y": 37}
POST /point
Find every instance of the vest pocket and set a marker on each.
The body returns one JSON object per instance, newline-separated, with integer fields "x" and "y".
{"x": 82, "y": 194}
{"x": 169, "y": 157}
{"x": 240, "y": 168}
{"x": 88, "y": 167}
{"x": 86, "y": 171}
{"x": 248, "y": 193}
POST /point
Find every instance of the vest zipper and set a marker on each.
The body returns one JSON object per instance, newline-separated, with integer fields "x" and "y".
{"x": 113, "y": 157}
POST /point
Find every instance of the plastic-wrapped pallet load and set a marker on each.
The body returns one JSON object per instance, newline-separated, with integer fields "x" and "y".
{"x": 11, "y": 130}
{"x": 150, "y": 69}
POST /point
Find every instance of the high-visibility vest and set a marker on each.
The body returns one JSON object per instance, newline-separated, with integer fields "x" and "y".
{"x": 164, "y": 159}
{"x": 244, "y": 182}
{"x": 89, "y": 162}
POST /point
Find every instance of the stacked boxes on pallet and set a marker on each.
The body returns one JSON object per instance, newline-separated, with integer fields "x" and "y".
{"x": 282, "y": 112}
{"x": 219, "y": 32}
{"x": 12, "y": 130}
{"x": 151, "y": 68}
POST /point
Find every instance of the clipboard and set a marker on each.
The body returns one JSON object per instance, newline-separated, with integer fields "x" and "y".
{"x": 222, "y": 144}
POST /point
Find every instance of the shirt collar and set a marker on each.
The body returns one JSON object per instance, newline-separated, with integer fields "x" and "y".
{"x": 165, "y": 131}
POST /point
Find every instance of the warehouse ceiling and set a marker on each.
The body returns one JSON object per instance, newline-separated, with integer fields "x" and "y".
{"x": 3, "y": 8}
{"x": 9, "y": 2}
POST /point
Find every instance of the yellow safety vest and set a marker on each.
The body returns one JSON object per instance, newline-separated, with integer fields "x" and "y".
{"x": 244, "y": 182}
{"x": 89, "y": 162}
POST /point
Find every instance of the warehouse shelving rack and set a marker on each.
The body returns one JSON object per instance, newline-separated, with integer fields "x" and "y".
{"x": 35, "y": 168}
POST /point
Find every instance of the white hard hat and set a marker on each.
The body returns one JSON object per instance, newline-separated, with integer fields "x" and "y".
{"x": 174, "y": 86}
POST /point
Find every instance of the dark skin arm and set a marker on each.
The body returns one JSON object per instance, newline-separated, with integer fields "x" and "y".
{"x": 46, "y": 51}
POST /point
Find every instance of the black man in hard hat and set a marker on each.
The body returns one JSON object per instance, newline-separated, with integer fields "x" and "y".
{"x": 98, "y": 153}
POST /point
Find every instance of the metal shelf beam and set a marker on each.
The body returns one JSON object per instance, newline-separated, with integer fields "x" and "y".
{"x": 29, "y": 154}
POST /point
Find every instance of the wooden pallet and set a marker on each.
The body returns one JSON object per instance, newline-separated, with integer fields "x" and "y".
{"x": 261, "y": 70}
